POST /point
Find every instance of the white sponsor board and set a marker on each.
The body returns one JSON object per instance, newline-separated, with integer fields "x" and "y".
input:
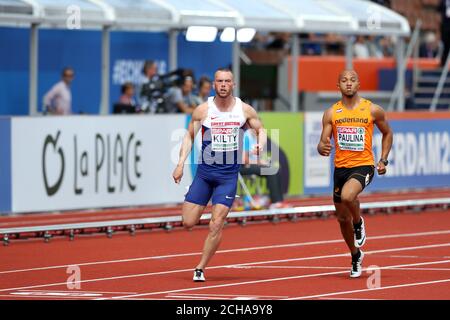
{"x": 317, "y": 167}
{"x": 76, "y": 162}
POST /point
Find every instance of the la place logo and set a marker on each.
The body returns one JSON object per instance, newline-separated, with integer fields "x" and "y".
{"x": 52, "y": 143}
{"x": 110, "y": 162}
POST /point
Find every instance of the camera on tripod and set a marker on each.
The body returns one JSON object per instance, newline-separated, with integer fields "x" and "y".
{"x": 154, "y": 91}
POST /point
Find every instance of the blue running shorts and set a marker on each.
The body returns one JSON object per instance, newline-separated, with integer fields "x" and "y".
{"x": 221, "y": 190}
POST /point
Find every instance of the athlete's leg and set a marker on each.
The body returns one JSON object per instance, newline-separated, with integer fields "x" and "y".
{"x": 356, "y": 212}
{"x": 222, "y": 200}
{"x": 195, "y": 201}
{"x": 344, "y": 218}
{"x": 350, "y": 192}
{"x": 348, "y": 212}
{"x": 349, "y": 197}
{"x": 342, "y": 191}
{"x": 218, "y": 216}
{"x": 191, "y": 214}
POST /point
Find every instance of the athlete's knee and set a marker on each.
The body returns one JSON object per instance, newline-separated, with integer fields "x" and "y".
{"x": 347, "y": 198}
{"x": 189, "y": 223}
{"x": 344, "y": 218}
{"x": 216, "y": 225}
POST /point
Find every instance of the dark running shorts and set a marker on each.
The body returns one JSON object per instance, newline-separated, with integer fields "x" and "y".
{"x": 220, "y": 191}
{"x": 364, "y": 174}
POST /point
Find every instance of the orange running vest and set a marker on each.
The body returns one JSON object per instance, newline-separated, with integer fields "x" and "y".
{"x": 352, "y": 133}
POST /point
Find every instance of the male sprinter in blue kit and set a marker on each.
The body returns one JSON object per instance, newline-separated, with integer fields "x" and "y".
{"x": 221, "y": 119}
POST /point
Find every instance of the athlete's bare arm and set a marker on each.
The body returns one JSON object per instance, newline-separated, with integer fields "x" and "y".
{"x": 379, "y": 118}
{"x": 324, "y": 146}
{"x": 255, "y": 123}
{"x": 195, "y": 124}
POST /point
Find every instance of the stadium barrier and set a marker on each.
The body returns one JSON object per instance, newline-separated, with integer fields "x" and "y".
{"x": 169, "y": 222}
{"x": 86, "y": 162}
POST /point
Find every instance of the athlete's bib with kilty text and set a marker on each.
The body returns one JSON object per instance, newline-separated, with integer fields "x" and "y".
{"x": 225, "y": 136}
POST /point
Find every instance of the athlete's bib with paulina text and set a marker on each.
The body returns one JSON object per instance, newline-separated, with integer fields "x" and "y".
{"x": 351, "y": 138}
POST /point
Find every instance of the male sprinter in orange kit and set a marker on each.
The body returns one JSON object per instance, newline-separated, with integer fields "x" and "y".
{"x": 350, "y": 121}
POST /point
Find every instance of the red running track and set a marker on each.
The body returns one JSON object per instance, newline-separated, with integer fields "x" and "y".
{"x": 290, "y": 260}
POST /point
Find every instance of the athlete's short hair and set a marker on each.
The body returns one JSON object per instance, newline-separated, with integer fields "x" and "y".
{"x": 224, "y": 69}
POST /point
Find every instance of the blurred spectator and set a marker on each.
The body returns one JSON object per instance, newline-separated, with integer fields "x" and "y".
{"x": 181, "y": 99}
{"x": 387, "y": 46}
{"x": 311, "y": 45}
{"x": 260, "y": 40}
{"x": 151, "y": 93}
{"x": 334, "y": 44}
{"x": 253, "y": 164}
{"x": 375, "y": 50}
{"x": 430, "y": 47}
{"x": 204, "y": 90}
{"x": 360, "y": 48}
{"x": 127, "y": 103}
{"x": 127, "y": 96}
{"x": 280, "y": 41}
{"x": 445, "y": 28}
{"x": 58, "y": 100}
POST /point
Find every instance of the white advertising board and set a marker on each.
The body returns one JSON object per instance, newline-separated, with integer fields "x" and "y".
{"x": 76, "y": 162}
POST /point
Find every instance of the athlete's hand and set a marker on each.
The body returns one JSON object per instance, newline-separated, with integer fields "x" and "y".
{"x": 325, "y": 148}
{"x": 177, "y": 174}
{"x": 381, "y": 168}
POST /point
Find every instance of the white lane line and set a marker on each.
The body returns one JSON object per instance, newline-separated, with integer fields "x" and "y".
{"x": 54, "y": 294}
{"x": 365, "y": 290}
{"x": 12, "y": 297}
{"x": 423, "y": 269}
{"x": 49, "y": 294}
{"x": 289, "y": 245}
{"x": 289, "y": 267}
{"x": 334, "y": 268}
{"x": 197, "y": 297}
{"x": 412, "y": 256}
{"x": 150, "y": 299}
{"x": 227, "y": 266}
{"x": 233, "y": 295}
{"x": 105, "y": 279}
{"x": 225, "y": 297}
{"x": 264, "y": 281}
{"x": 342, "y": 255}
{"x": 74, "y": 291}
{"x": 348, "y": 299}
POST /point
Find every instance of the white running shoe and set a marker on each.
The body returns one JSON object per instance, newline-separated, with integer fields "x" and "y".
{"x": 199, "y": 276}
{"x": 357, "y": 265}
{"x": 360, "y": 234}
